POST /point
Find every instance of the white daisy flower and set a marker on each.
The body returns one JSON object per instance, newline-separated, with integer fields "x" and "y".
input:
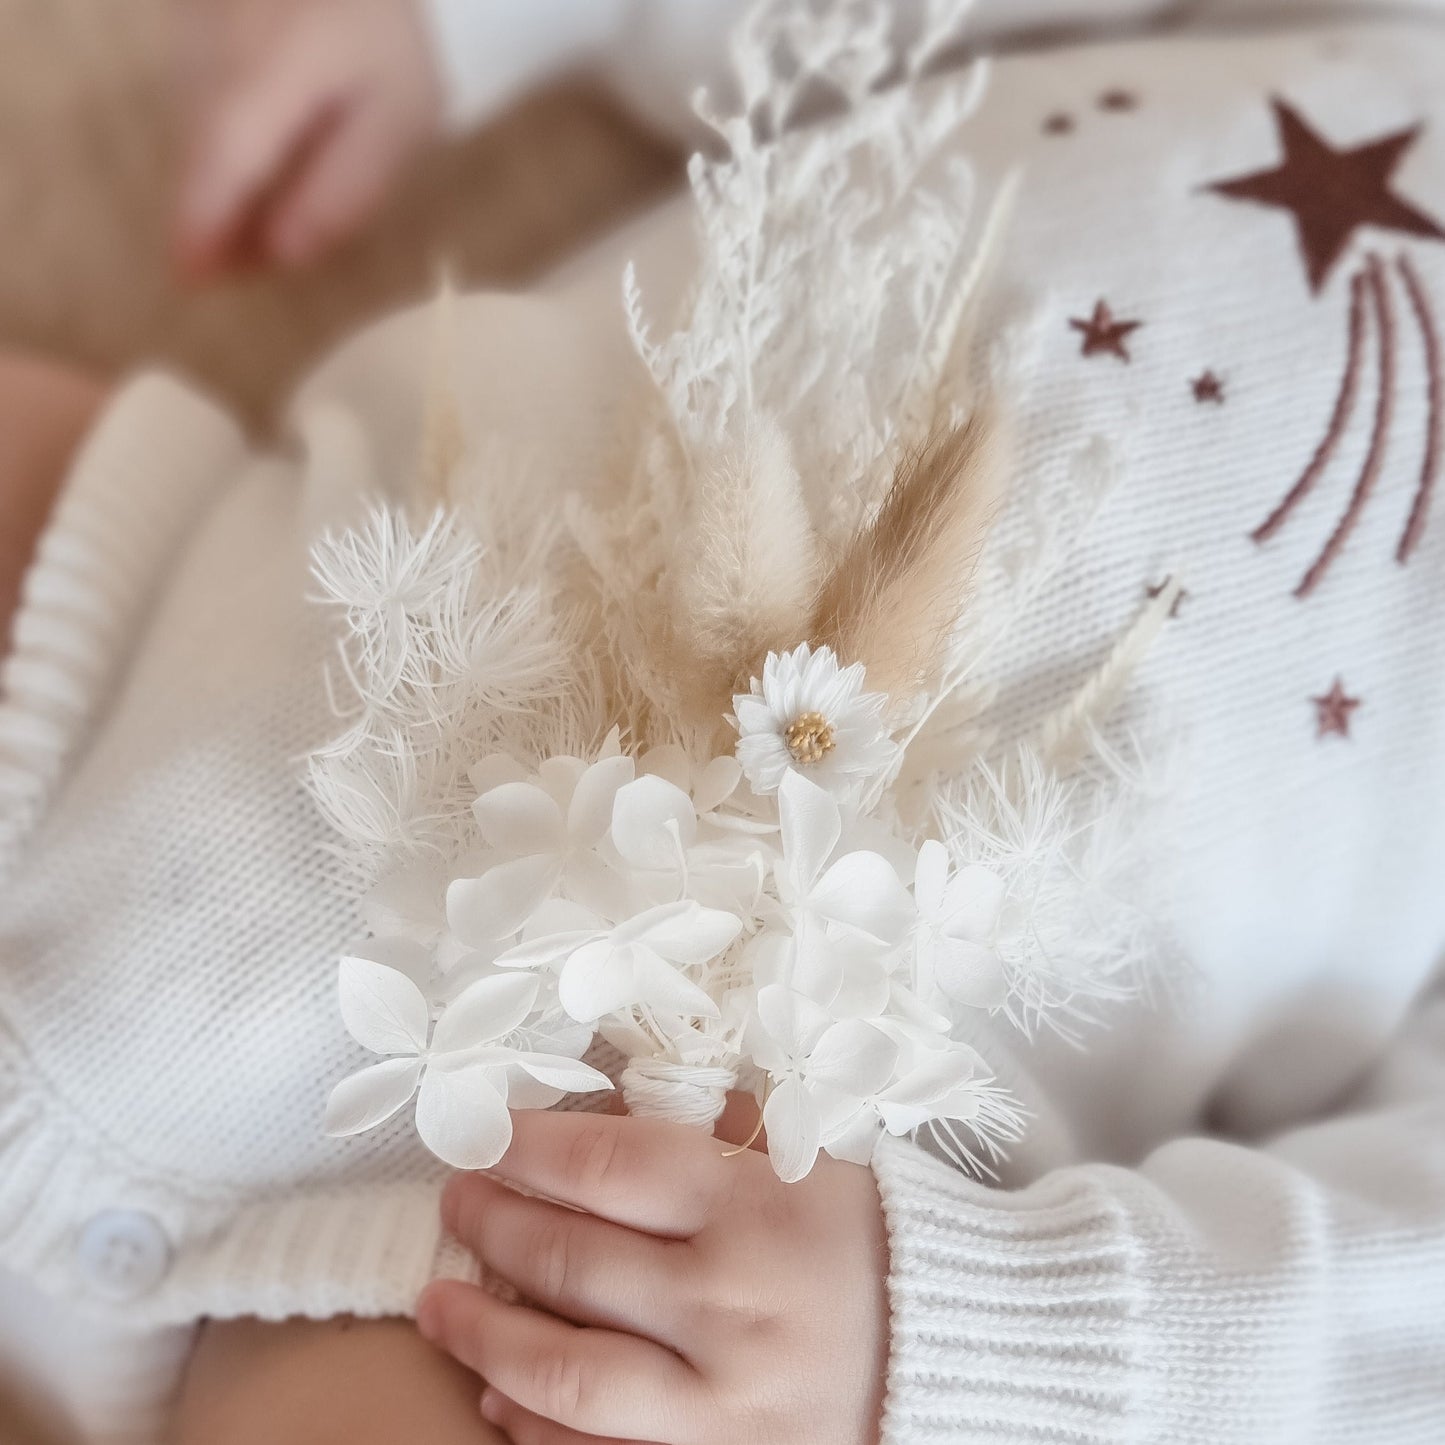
{"x": 810, "y": 716}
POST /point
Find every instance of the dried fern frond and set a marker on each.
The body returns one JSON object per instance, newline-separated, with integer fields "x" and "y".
{"x": 745, "y": 574}
{"x": 1078, "y": 931}
{"x": 896, "y": 594}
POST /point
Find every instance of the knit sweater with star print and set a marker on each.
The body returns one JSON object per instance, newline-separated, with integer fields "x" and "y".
{"x": 1227, "y": 1219}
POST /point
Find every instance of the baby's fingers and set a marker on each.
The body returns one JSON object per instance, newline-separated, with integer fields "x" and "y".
{"x": 250, "y": 137}
{"x": 642, "y": 1173}
{"x": 596, "y": 1382}
{"x": 343, "y": 178}
{"x": 525, "y": 1428}
{"x": 570, "y": 1263}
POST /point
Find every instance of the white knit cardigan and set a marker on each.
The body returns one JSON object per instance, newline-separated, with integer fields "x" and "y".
{"x": 1227, "y": 1222}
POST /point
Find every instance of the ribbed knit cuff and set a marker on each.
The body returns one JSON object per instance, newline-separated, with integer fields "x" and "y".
{"x": 361, "y": 1247}
{"x": 156, "y": 458}
{"x": 1012, "y": 1312}
{"x": 356, "y": 1246}
{"x": 366, "y": 1251}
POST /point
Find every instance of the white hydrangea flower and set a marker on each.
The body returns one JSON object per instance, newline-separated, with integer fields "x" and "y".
{"x": 408, "y": 903}
{"x": 462, "y": 1068}
{"x": 949, "y": 1082}
{"x": 810, "y": 716}
{"x": 654, "y": 827}
{"x": 640, "y": 961}
{"x": 545, "y": 836}
{"x": 709, "y": 784}
{"x": 847, "y": 915}
{"x": 666, "y": 850}
{"x": 958, "y": 916}
{"x": 837, "y": 1084}
{"x": 824, "y": 1073}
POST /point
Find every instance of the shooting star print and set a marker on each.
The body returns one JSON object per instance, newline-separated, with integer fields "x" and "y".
{"x": 1333, "y": 193}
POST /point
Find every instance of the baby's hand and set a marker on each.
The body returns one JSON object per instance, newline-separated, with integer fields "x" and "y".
{"x": 694, "y": 1299}
{"x": 305, "y": 111}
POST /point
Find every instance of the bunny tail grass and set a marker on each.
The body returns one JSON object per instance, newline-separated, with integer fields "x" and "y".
{"x": 896, "y": 594}
{"x": 745, "y": 572}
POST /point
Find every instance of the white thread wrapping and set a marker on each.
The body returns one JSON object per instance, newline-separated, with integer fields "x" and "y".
{"x": 681, "y": 1093}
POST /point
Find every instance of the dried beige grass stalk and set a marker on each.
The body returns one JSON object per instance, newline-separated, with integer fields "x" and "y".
{"x": 745, "y": 573}
{"x": 895, "y": 595}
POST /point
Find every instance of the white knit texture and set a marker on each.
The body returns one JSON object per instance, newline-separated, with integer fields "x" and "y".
{"x": 655, "y": 55}
{"x": 153, "y": 462}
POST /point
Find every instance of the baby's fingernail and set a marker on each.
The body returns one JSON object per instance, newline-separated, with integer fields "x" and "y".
{"x": 491, "y": 1407}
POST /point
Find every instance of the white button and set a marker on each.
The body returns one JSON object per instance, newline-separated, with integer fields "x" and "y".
{"x": 123, "y": 1254}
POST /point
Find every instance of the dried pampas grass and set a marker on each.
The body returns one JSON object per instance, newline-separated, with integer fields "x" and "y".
{"x": 895, "y": 595}
{"x": 745, "y": 574}
{"x": 747, "y": 579}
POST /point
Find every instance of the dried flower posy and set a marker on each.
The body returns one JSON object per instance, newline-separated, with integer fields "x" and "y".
{"x": 660, "y": 774}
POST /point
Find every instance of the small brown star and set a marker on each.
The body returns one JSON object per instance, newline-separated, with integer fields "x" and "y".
{"x": 1157, "y": 590}
{"x": 1332, "y": 193}
{"x": 1102, "y": 333}
{"x": 1118, "y": 100}
{"x": 1059, "y": 123}
{"x": 1332, "y": 711}
{"x": 1208, "y": 387}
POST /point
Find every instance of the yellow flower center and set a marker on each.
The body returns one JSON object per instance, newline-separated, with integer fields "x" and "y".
{"x": 810, "y": 737}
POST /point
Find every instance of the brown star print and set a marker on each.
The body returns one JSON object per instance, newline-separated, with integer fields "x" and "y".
{"x": 1208, "y": 387}
{"x": 1103, "y": 333}
{"x": 1332, "y": 193}
{"x": 1332, "y": 711}
{"x": 1118, "y": 100}
{"x": 1059, "y": 123}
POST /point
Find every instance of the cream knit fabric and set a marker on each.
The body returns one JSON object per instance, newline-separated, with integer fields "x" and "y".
{"x": 654, "y": 55}
{"x": 1228, "y": 1220}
